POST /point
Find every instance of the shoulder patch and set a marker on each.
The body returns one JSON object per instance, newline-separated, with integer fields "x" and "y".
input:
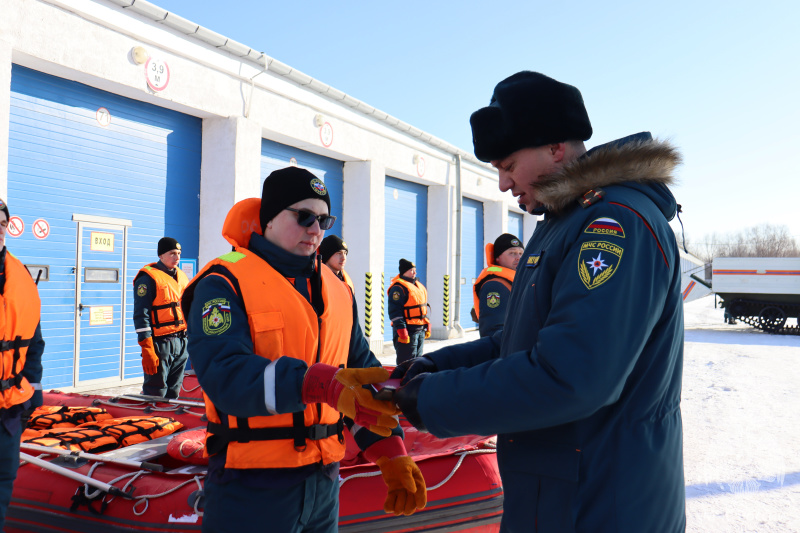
{"x": 141, "y": 290}
{"x": 605, "y": 226}
{"x": 597, "y": 262}
{"x": 395, "y": 295}
{"x": 493, "y": 299}
{"x": 216, "y": 316}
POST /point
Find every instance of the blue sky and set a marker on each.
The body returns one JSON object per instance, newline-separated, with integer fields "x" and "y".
{"x": 718, "y": 79}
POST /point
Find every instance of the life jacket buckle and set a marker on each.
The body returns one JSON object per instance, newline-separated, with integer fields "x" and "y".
{"x": 317, "y": 432}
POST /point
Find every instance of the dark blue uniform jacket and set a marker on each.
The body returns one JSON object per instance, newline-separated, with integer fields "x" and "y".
{"x": 583, "y": 384}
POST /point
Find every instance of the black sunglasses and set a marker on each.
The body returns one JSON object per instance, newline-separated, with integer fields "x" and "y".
{"x": 307, "y": 218}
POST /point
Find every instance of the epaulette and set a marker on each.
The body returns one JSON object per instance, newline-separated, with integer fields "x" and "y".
{"x": 591, "y": 197}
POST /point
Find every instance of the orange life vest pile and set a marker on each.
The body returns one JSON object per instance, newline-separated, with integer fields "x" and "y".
{"x": 92, "y": 429}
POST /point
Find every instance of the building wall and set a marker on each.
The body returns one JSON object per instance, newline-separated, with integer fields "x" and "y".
{"x": 240, "y": 102}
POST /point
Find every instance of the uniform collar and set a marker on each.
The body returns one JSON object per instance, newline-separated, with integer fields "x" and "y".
{"x": 286, "y": 263}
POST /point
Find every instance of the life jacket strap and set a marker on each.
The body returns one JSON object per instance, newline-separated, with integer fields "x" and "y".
{"x": 16, "y": 379}
{"x": 220, "y": 435}
{"x": 173, "y": 306}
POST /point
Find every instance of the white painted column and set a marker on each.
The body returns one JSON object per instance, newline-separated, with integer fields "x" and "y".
{"x": 5, "y": 115}
{"x": 441, "y": 260}
{"x": 495, "y": 222}
{"x": 229, "y": 172}
{"x": 363, "y": 230}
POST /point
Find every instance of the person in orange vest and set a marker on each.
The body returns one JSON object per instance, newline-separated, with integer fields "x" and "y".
{"x": 408, "y": 310}
{"x": 159, "y": 322}
{"x": 493, "y": 287}
{"x": 333, "y": 252}
{"x": 21, "y": 349}
{"x": 282, "y": 361}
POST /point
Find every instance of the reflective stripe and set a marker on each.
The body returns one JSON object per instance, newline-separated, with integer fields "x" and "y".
{"x": 36, "y": 386}
{"x": 269, "y": 388}
{"x": 140, "y": 330}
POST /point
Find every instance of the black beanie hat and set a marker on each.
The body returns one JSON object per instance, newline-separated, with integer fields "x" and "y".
{"x": 330, "y": 245}
{"x": 405, "y": 265}
{"x": 166, "y": 244}
{"x": 287, "y": 186}
{"x": 4, "y": 208}
{"x": 528, "y": 110}
{"x": 504, "y": 242}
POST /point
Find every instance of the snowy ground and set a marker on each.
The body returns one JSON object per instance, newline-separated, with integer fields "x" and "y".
{"x": 741, "y": 430}
{"x": 741, "y": 403}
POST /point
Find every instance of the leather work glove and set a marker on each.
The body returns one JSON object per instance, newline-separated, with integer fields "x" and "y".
{"x": 149, "y": 357}
{"x": 427, "y": 330}
{"x": 402, "y": 335}
{"x": 341, "y": 388}
{"x": 407, "y": 370}
{"x": 404, "y": 481}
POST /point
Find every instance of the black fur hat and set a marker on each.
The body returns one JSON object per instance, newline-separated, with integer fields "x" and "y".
{"x": 527, "y": 110}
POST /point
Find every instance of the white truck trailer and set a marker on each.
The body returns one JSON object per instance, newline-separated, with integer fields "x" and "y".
{"x": 761, "y": 291}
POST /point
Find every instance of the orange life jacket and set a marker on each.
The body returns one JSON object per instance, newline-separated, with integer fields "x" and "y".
{"x": 19, "y": 315}
{"x": 492, "y": 272}
{"x": 63, "y": 416}
{"x": 348, "y": 282}
{"x": 282, "y": 324}
{"x": 74, "y": 439}
{"x": 166, "y": 316}
{"x": 134, "y": 429}
{"x": 416, "y": 307}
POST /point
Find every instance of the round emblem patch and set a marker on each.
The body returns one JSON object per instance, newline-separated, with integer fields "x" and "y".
{"x": 318, "y": 186}
{"x": 493, "y": 299}
{"x": 141, "y": 290}
{"x": 395, "y": 296}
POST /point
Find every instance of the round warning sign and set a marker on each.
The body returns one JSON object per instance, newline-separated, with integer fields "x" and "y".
{"x": 41, "y": 229}
{"x": 326, "y": 134}
{"x": 103, "y": 117}
{"x": 157, "y": 72}
{"x": 15, "y": 226}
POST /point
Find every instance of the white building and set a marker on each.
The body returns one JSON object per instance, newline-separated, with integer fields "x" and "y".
{"x": 126, "y": 123}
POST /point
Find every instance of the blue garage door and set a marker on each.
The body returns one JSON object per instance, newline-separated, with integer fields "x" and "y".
{"x": 406, "y": 233}
{"x": 80, "y": 154}
{"x": 472, "y": 255}
{"x": 275, "y": 156}
{"x": 515, "y": 225}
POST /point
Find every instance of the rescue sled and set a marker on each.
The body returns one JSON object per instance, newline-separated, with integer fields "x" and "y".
{"x": 157, "y": 484}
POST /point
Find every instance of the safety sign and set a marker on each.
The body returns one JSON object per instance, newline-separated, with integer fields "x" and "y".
{"x": 41, "y": 229}
{"x": 15, "y": 226}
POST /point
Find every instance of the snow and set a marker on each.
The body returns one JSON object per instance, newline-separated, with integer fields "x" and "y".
{"x": 740, "y": 408}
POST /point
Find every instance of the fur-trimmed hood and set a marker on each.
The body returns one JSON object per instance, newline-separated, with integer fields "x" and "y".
{"x": 637, "y": 158}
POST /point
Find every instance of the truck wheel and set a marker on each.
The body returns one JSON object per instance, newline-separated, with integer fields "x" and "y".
{"x": 772, "y": 318}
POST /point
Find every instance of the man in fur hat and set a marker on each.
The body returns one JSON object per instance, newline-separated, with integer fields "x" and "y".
{"x": 583, "y": 388}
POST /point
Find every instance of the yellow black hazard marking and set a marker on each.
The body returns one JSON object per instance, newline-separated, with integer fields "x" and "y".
{"x": 493, "y": 299}
{"x": 216, "y": 316}
{"x": 605, "y": 226}
{"x": 141, "y": 290}
{"x": 597, "y": 262}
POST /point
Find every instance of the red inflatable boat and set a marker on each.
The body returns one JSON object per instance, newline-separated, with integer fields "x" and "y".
{"x": 157, "y": 484}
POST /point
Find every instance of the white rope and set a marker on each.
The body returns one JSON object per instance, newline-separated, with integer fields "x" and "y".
{"x": 460, "y": 455}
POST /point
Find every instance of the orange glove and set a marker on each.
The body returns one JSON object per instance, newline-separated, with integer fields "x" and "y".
{"x": 404, "y": 481}
{"x": 427, "y": 330}
{"x": 149, "y": 357}
{"x": 402, "y": 335}
{"x": 341, "y": 388}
